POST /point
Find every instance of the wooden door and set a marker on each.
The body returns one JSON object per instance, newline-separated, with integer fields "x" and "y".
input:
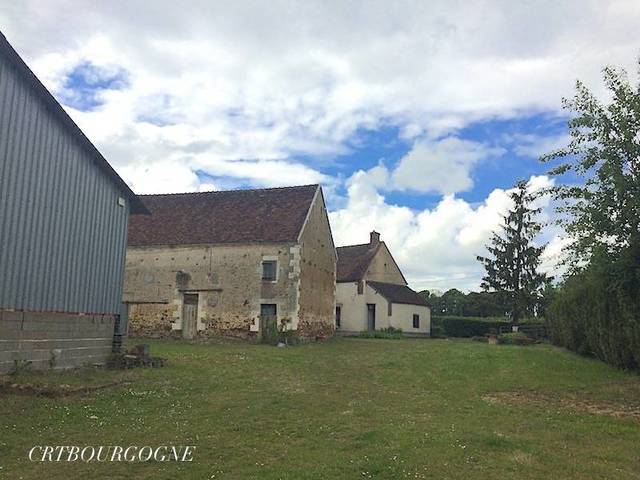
{"x": 269, "y": 323}
{"x": 189, "y": 315}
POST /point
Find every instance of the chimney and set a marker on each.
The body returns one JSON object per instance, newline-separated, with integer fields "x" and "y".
{"x": 374, "y": 238}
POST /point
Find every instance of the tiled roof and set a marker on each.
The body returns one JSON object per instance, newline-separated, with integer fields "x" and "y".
{"x": 353, "y": 261}
{"x": 398, "y": 293}
{"x": 270, "y": 215}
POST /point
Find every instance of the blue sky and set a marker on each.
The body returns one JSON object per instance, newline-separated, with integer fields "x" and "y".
{"x": 415, "y": 119}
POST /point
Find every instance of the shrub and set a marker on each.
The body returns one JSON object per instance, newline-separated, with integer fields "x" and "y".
{"x": 596, "y": 311}
{"x": 478, "y": 338}
{"x": 467, "y": 326}
{"x": 437, "y": 331}
{"x": 516, "y": 338}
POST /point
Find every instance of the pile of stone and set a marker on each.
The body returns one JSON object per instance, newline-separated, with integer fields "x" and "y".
{"x": 137, "y": 356}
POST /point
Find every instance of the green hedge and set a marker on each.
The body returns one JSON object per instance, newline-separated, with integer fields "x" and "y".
{"x": 451, "y": 326}
{"x": 597, "y": 311}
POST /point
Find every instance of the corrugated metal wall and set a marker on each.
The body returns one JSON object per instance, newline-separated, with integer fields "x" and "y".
{"x": 62, "y": 232}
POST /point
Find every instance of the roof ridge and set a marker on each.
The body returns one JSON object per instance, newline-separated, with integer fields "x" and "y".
{"x": 290, "y": 187}
{"x": 356, "y": 245}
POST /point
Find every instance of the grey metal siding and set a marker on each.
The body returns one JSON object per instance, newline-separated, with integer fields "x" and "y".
{"x": 62, "y": 232}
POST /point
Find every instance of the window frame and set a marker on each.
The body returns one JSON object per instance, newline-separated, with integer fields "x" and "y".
{"x": 263, "y": 307}
{"x": 416, "y": 320}
{"x": 275, "y": 270}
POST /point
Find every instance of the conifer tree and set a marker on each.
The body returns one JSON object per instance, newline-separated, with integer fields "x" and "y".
{"x": 513, "y": 265}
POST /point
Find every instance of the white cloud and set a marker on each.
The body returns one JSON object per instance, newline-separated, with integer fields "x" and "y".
{"x": 441, "y": 166}
{"x": 436, "y": 248}
{"x": 260, "y": 93}
{"x": 276, "y": 82}
{"x": 161, "y": 177}
{"x": 531, "y": 145}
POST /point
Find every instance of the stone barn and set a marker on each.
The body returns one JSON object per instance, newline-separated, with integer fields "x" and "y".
{"x": 63, "y": 229}
{"x": 243, "y": 263}
{"x": 372, "y": 293}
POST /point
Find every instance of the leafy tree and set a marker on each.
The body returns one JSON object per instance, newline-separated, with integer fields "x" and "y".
{"x": 473, "y": 304}
{"x": 597, "y": 309}
{"x": 453, "y": 301}
{"x": 485, "y": 304}
{"x": 514, "y": 262}
{"x": 603, "y": 213}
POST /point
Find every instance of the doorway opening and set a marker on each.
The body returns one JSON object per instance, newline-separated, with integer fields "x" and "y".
{"x": 371, "y": 316}
{"x": 189, "y": 315}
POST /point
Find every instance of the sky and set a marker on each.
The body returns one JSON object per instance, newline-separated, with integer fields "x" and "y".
{"x": 416, "y": 117}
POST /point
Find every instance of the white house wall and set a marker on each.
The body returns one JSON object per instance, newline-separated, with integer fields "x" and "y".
{"x": 382, "y": 308}
{"x": 402, "y": 317}
{"x": 353, "y": 309}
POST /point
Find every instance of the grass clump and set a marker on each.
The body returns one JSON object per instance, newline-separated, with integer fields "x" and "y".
{"x": 389, "y": 333}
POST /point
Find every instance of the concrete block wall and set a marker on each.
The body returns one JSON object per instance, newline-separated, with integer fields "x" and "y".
{"x": 54, "y": 339}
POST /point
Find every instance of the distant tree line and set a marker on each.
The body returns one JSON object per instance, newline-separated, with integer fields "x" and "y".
{"x": 493, "y": 304}
{"x": 474, "y": 304}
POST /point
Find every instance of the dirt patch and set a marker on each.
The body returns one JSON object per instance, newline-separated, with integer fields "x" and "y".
{"x": 569, "y": 402}
{"x": 53, "y": 391}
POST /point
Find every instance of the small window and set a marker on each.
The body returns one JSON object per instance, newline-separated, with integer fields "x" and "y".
{"x": 268, "y": 310}
{"x": 416, "y": 321}
{"x": 269, "y": 269}
{"x": 338, "y": 316}
{"x": 360, "y": 287}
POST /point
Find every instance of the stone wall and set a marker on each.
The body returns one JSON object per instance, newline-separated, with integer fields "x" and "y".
{"x": 151, "y": 319}
{"x": 54, "y": 340}
{"x": 317, "y": 289}
{"x": 226, "y": 278}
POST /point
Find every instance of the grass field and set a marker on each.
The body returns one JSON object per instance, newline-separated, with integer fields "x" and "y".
{"x": 347, "y": 408}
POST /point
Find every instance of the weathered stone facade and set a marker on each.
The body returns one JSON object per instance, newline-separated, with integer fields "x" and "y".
{"x": 225, "y": 283}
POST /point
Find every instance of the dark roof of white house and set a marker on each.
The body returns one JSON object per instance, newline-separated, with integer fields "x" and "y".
{"x": 353, "y": 261}
{"x": 398, "y": 293}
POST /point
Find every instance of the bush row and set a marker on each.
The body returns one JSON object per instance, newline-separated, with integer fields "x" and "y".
{"x": 597, "y": 311}
{"x": 451, "y": 326}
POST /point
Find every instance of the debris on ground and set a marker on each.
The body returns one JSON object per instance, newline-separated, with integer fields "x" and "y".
{"x": 52, "y": 391}
{"x": 137, "y": 356}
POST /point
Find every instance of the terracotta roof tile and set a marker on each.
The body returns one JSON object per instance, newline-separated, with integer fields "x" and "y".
{"x": 398, "y": 293}
{"x": 269, "y": 215}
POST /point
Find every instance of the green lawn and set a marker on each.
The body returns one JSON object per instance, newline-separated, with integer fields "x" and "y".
{"x": 349, "y": 408}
